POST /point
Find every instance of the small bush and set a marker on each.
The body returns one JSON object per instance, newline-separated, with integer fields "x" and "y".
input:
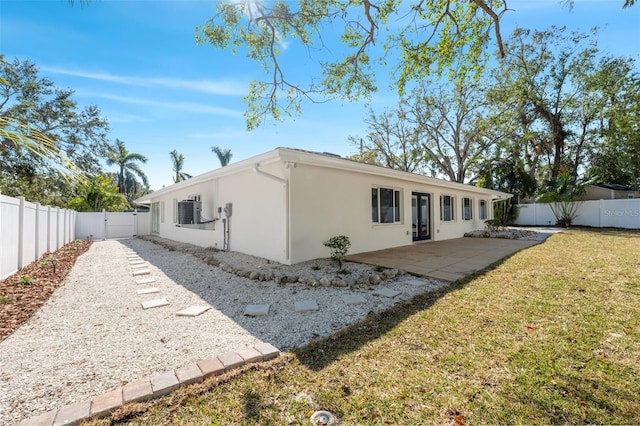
{"x": 339, "y": 246}
{"x": 6, "y": 299}
{"x": 26, "y": 280}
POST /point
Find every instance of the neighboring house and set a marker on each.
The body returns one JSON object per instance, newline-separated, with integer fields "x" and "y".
{"x": 283, "y": 204}
{"x": 605, "y": 191}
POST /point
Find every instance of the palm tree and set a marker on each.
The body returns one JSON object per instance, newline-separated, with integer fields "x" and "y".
{"x": 178, "y": 162}
{"x": 126, "y": 160}
{"x": 224, "y": 155}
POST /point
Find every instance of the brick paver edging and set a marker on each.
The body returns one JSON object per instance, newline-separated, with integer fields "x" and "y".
{"x": 153, "y": 387}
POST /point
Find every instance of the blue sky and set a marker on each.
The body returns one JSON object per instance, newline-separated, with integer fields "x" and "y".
{"x": 139, "y": 63}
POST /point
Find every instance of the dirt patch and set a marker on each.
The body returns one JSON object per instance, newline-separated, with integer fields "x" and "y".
{"x": 24, "y": 292}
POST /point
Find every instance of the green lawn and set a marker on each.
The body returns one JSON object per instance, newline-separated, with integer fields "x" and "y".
{"x": 548, "y": 336}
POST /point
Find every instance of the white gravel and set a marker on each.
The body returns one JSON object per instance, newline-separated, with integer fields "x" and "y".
{"x": 92, "y": 335}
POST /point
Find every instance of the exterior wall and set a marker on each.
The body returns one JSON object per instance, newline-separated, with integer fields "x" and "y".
{"x": 326, "y": 202}
{"x": 257, "y": 222}
{"x": 599, "y": 193}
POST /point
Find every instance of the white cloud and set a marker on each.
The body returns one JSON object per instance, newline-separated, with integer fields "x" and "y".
{"x": 180, "y": 106}
{"x": 224, "y": 87}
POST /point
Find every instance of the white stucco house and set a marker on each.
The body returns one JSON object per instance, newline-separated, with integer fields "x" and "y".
{"x": 283, "y": 204}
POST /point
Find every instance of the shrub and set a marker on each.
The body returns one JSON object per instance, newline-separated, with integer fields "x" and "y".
{"x": 339, "y": 246}
{"x": 26, "y": 280}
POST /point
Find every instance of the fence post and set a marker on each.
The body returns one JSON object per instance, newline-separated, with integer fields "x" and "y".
{"x": 1, "y": 249}
{"x": 20, "y": 232}
{"x": 57, "y": 228}
{"x": 37, "y": 254}
{"x": 104, "y": 212}
{"x": 135, "y": 222}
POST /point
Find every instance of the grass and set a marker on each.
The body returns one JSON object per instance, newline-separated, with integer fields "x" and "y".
{"x": 548, "y": 336}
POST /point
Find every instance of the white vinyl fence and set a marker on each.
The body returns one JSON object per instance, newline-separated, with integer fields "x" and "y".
{"x": 103, "y": 225}
{"x": 595, "y": 213}
{"x": 29, "y": 230}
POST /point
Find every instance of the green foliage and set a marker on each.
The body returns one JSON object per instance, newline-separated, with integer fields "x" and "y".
{"x": 26, "y": 280}
{"x": 339, "y": 246}
{"x": 6, "y": 299}
{"x": 127, "y": 164}
{"x": 47, "y": 143}
{"x": 564, "y": 196}
{"x": 505, "y": 213}
{"x": 97, "y": 193}
{"x": 411, "y": 40}
{"x": 224, "y": 155}
{"x": 178, "y": 162}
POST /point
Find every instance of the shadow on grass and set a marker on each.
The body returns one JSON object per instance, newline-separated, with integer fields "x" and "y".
{"x": 321, "y": 353}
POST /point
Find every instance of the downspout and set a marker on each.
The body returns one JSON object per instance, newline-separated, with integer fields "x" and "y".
{"x": 286, "y": 204}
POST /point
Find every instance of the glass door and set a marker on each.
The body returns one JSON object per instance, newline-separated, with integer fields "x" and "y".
{"x": 420, "y": 216}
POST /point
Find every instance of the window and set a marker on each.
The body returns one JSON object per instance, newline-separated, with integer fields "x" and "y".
{"x": 385, "y": 205}
{"x": 155, "y": 218}
{"x": 467, "y": 208}
{"x": 483, "y": 209}
{"x": 446, "y": 208}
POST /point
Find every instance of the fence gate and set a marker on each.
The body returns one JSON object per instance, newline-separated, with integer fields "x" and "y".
{"x": 104, "y": 225}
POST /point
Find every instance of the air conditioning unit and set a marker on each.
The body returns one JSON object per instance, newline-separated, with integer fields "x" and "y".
{"x": 189, "y": 212}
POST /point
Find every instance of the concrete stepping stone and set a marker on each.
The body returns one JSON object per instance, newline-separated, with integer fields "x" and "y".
{"x": 306, "y": 306}
{"x": 416, "y": 282}
{"x": 128, "y": 253}
{"x": 386, "y": 292}
{"x": 353, "y": 299}
{"x": 148, "y": 290}
{"x": 256, "y": 310}
{"x": 138, "y": 266}
{"x": 193, "y": 311}
{"x": 156, "y": 303}
{"x": 137, "y": 272}
{"x": 146, "y": 280}
{"x": 136, "y": 262}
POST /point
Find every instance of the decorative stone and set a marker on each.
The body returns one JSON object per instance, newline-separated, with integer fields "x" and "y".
{"x": 73, "y": 414}
{"x": 210, "y": 367}
{"x": 164, "y": 384}
{"x": 306, "y": 306}
{"x": 416, "y": 282}
{"x": 138, "y": 391}
{"x": 231, "y": 360}
{"x": 148, "y": 290}
{"x": 386, "y": 292}
{"x": 293, "y": 279}
{"x": 353, "y": 299}
{"x": 254, "y": 276}
{"x": 156, "y": 303}
{"x": 375, "y": 279}
{"x": 267, "y": 350}
{"x": 193, "y": 311}
{"x": 256, "y": 310}
{"x": 325, "y": 282}
{"x": 339, "y": 283}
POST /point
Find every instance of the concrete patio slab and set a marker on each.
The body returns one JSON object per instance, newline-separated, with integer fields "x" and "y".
{"x": 256, "y": 310}
{"x": 146, "y": 280}
{"x": 447, "y": 260}
{"x": 306, "y": 306}
{"x": 193, "y": 311}
{"x": 156, "y": 303}
{"x": 353, "y": 299}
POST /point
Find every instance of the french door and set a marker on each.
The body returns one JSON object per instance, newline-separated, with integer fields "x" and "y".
{"x": 421, "y": 216}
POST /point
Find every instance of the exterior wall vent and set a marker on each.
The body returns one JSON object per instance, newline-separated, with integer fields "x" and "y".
{"x": 189, "y": 212}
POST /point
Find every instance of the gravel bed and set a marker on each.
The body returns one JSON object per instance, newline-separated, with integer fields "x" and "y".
{"x": 92, "y": 335}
